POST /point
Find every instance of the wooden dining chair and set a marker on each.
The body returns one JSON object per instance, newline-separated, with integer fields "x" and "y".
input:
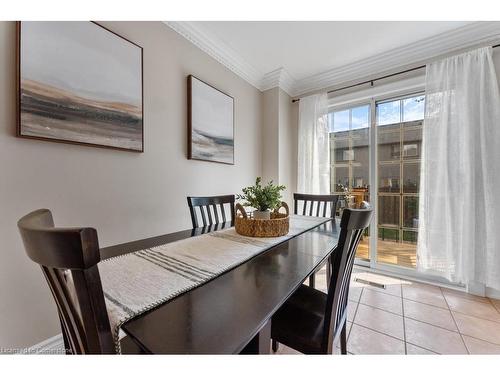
{"x": 311, "y": 321}
{"x": 315, "y": 205}
{"x": 68, "y": 258}
{"x": 209, "y": 208}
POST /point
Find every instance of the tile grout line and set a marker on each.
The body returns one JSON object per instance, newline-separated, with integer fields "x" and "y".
{"x": 355, "y": 312}
{"x": 427, "y": 304}
{"x": 421, "y": 347}
{"x": 449, "y": 330}
{"x": 381, "y": 333}
{"x": 477, "y": 338}
{"x": 474, "y": 301}
{"x": 430, "y": 324}
{"x": 416, "y": 320}
{"x": 494, "y": 306}
{"x": 454, "y": 321}
{"x": 442, "y": 292}
{"x": 476, "y": 316}
{"x": 408, "y": 342}
{"x": 409, "y": 299}
{"x": 468, "y": 299}
{"x": 371, "y": 329}
{"x": 488, "y": 302}
{"x": 469, "y": 335}
{"x": 403, "y": 312}
{"x": 404, "y": 329}
{"x": 379, "y": 308}
{"x": 450, "y": 309}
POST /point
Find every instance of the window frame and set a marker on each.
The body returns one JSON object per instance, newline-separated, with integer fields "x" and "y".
{"x": 399, "y": 89}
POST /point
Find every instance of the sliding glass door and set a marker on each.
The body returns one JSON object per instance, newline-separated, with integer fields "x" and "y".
{"x": 375, "y": 156}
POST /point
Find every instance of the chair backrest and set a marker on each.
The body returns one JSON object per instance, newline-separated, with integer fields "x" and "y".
{"x": 211, "y": 209}
{"x": 68, "y": 258}
{"x": 352, "y": 225}
{"x": 325, "y": 204}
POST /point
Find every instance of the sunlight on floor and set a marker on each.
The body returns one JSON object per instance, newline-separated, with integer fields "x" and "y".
{"x": 389, "y": 252}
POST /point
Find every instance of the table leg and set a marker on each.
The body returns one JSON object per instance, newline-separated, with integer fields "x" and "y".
{"x": 261, "y": 343}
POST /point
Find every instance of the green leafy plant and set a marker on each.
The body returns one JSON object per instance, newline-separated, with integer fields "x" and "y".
{"x": 261, "y": 197}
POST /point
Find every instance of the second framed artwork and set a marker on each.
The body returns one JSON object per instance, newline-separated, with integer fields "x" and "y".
{"x": 210, "y": 123}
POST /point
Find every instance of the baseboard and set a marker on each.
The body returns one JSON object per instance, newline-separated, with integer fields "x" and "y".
{"x": 417, "y": 279}
{"x": 483, "y": 291}
{"x": 492, "y": 293}
{"x": 473, "y": 289}
{"x": 53, "y": 345}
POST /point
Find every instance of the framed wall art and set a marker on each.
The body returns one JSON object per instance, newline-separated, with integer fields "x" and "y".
{"x": 79, "y": 83}
{"x": 210, "y": 123}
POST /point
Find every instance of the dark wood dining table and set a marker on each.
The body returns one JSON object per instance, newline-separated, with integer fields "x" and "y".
{"x": 232, "y": 312}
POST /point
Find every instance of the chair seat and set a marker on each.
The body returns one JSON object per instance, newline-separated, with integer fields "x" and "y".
{"x": 299, "y": 322}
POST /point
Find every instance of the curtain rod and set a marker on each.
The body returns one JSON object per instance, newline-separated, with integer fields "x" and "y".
{"x": 378, "y": 78}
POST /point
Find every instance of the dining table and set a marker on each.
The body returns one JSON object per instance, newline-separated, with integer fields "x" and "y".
{"x": 230, "y": 314}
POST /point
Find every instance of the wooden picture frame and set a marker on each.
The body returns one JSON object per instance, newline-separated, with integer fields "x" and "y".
{"x": 98, "y": 101}
{"x": 210, "y": 123}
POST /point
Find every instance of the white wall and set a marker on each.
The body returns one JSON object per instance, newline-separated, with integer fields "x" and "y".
{"x": 279, "y": 154}
{"x": 288, "y": 144}
{"x": 270, "y": 133}
{"x": 126, "y": 196}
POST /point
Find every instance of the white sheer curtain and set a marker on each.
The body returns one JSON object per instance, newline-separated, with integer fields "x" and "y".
{"x": 459, "y": 235}
{"x": 313, "y": 176}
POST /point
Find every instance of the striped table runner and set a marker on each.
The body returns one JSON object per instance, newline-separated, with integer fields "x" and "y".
{"x": 137, "y": 282}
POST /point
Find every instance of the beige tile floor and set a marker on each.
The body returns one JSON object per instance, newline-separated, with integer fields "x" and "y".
{"x": 416, "y": 318}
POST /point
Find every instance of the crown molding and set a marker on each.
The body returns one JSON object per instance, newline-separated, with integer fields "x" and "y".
{"x": 278, "y": 78}
{"x": 217, "y": 49}
{"x": 420, "y": 52}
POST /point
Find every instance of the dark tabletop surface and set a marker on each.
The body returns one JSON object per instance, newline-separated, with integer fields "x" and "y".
{"x": 224, "y": 314}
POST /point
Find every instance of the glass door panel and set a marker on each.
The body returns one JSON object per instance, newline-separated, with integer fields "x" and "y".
{"x": 399, "y": 142}
{"x": 394, "y": 166}
{"x": 350, "y": 156}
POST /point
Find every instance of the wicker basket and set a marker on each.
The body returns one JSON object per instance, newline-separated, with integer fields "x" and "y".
{"x": 277, "y": 226}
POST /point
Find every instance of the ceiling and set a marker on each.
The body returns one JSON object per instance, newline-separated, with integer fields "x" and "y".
{"x": 301, "y": 56}
{"x": 307, "y": 48}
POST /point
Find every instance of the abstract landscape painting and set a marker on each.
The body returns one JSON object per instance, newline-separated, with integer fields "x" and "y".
{"x": 211, "y": 123}
{"x": 79, "y": 83}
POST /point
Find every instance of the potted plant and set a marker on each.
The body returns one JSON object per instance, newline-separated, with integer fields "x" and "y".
{"x": 263, "y": 199}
